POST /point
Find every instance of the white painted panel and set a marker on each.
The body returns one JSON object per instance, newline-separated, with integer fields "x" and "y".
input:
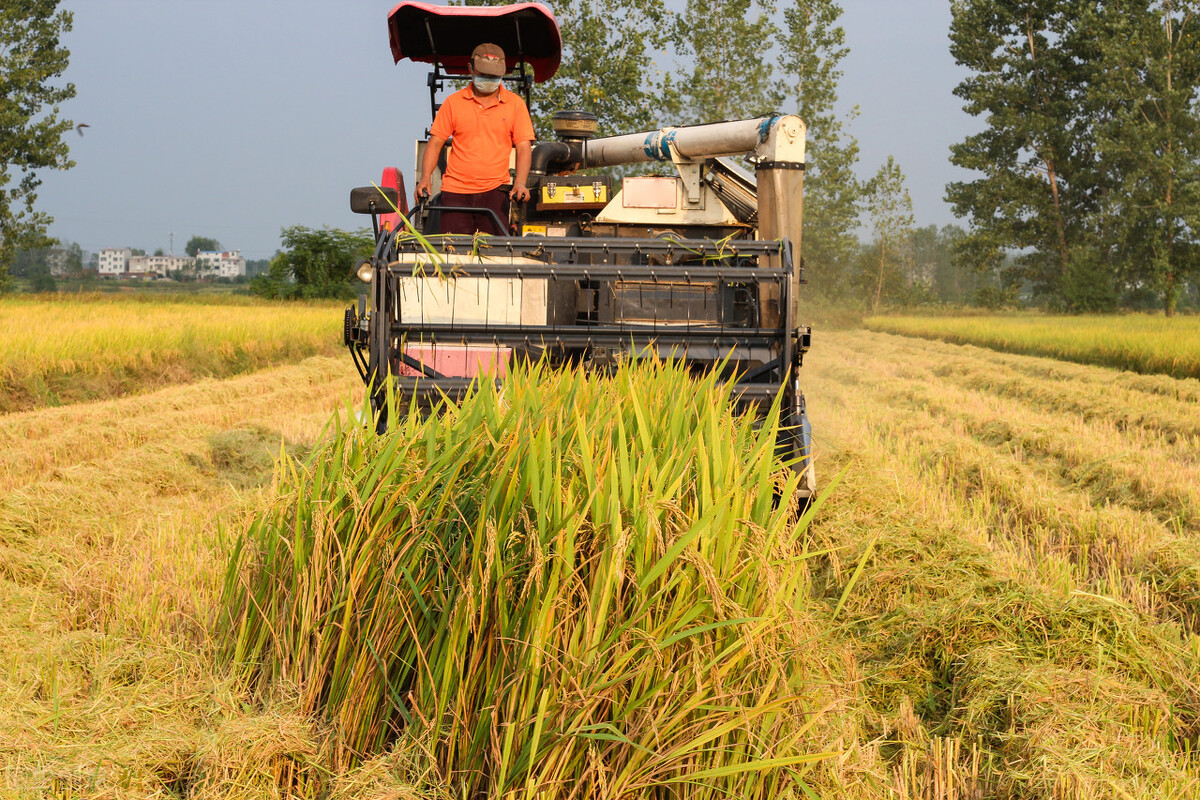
{"x": 495, "y": 301}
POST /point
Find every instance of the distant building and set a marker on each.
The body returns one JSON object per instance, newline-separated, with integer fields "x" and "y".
{"x": 120, "y": 262}
{"x": 220, "y": 263}
{"x": 56, "y": 261}
{"x": 159, "y": 266}
{"x": 114, "y": 261}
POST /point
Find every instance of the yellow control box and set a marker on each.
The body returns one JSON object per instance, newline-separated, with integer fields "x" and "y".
{"x": 564, "y": 194}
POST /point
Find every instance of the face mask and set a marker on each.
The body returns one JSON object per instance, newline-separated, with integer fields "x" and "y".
{"x": 485, "y": 85}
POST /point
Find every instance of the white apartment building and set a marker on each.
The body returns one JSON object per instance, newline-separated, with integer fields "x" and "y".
{"x": 220, "y": 263}
{"x": 144, "y": 266}
{"x": 114, "y": 261}
{"x": 119, "y": 262}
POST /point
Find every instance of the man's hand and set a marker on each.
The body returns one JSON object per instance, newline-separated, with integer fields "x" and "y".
{"x": 519, "y": 192}
{"x": 423, "y": 189}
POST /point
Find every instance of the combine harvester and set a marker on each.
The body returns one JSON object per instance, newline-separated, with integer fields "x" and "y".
{"x": 701, "y": 266}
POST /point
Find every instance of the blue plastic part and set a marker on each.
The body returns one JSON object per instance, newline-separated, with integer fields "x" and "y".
{"x": 650, "y": 146}
{"x": 764, "y": 130}
{"x": 665, "y": 145}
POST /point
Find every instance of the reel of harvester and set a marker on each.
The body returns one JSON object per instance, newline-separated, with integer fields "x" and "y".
{"x": 449, "y": 310}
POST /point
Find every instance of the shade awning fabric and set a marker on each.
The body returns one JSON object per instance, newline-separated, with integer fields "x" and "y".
{"x": 427, "y": 33}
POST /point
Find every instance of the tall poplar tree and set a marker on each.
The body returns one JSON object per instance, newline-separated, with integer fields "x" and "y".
{"x": 31, "y": 130}
{"x": 1032, "y": 64}
{"x": 728, "y": 68}
{"x": 1150, "y": 76}
{"x": 889, "y": 207}
{"x": 813, "y": 45}
{"x": 608, "y": 65}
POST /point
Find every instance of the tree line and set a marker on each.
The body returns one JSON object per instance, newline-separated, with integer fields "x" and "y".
{"x": 1087, "y": 194}
{"x": 714, "y": 60}
{"x": 1089, "y": 159}
{"x": 1084, "y": 194}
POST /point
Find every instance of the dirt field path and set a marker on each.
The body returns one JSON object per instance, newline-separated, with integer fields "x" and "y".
{"x": 1028, "y": 530}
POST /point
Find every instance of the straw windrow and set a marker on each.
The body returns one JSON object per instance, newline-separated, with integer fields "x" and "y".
{"x": 573, "y": 586}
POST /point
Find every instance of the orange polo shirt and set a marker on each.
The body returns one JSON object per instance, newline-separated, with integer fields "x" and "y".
{"x": 483, "y": 139}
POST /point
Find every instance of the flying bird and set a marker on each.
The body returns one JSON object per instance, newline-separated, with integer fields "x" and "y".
{"x": 79, "y": 128}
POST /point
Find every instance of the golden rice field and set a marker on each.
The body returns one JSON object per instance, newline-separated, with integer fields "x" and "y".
{"x": 95, "y": 346}
{"x": 1001, "y": 592}
{"x": 1146, "y": 343}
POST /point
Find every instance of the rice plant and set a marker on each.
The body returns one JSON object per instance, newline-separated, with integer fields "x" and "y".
{"x": 1137, "y": 342}
{"x": 570, "y": 586}
{"x": 65, "y": 350}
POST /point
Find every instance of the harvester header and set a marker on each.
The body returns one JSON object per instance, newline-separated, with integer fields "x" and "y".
{"x": 698, "y": 261}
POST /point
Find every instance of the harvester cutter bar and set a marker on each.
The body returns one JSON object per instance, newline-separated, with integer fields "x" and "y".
{"x": 427, "y": 392}
{"x": 583, "y": 335}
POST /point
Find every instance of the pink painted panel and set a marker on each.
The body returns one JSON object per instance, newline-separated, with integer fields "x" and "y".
{"x": 464, "y": 361}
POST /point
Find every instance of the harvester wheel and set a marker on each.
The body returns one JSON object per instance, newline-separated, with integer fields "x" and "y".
{"x": 795, "y": 443}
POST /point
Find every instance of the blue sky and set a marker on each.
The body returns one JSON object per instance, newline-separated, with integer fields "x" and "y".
{"x": 234, "y": 118}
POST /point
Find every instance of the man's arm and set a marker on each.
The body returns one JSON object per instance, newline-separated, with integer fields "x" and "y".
{"x": 524, "y": 154}
{"x": 429, "y": 160}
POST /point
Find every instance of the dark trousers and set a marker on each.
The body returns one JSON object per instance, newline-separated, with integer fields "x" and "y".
{"x": 469, "y": 222}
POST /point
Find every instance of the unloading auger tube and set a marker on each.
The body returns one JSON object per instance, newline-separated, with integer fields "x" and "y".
{"x": 601, "y": 276}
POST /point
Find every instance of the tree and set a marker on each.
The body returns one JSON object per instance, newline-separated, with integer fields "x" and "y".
{"x": 1150, "y": 76}
{"x": 1041, "y": 183}
{"x": 315, "y": 263}
{"x": 40, "y": 279}
{"x": 813, "y": 44}
{"x": 73, "y": 263}
{"x": 31, "y": 131}
{"x": 890, "y": 209}
{"x": 198, "y": 243}
{"x": 257, "y": 266}
{"x": 608, "y": 65}
{"x": 27, "y": 262}
{"x": 729, "y": 72}
{"x": 934, "y": 263}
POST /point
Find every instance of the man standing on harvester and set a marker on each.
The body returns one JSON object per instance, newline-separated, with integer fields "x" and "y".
{"x": 487, "y": 121}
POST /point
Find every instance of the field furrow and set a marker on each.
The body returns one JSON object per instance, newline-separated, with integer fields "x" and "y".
{"x": 1070, "y": 497}
{"x": 1139, "y": 467}
{"x": 34, "y": 445}
{"x": 997, "y": 598}
{"x": 1007, "y": 576}
{"x": 1091, "y": 457}
{"x": 1154, "y": 403}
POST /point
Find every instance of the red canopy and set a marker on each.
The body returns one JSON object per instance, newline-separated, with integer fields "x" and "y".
{"x": 425, "y": 32}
